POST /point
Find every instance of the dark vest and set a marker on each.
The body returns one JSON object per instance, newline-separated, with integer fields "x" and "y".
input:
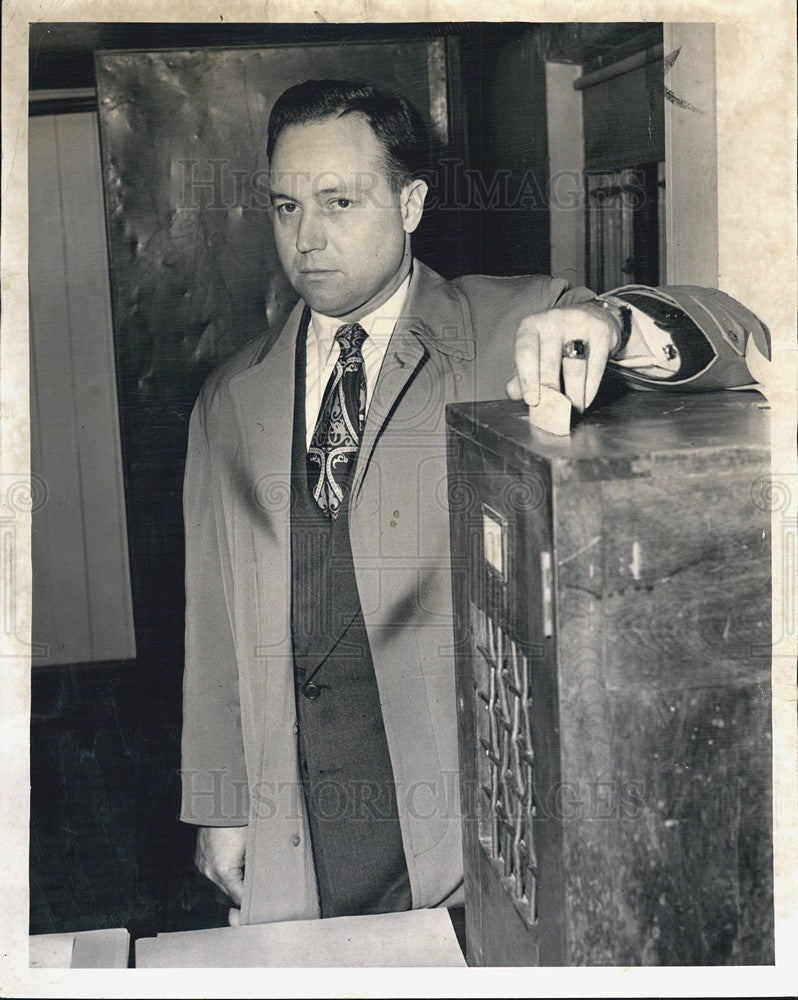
{"x": 346, "y": 768}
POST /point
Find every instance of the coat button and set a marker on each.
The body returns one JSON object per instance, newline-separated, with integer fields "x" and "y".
{"x": 296, "y": 841}
{"x": 311, "y": 690}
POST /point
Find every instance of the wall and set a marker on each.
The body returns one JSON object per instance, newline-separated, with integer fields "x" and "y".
{"x": 729, "y": 217}
{"x": 755, "y": 155}
{"x": 691, "y": 168}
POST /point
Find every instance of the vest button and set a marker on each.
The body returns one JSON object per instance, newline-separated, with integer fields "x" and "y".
{"x": 311, "y": 690}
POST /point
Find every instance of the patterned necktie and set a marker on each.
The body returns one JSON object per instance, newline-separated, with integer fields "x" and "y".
{"x": 336, "y": 438}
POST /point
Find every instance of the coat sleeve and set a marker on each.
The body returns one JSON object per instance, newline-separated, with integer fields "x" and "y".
{"x": 496, "y": 306}
{"x": 521, "y": 296}
{"x": 213, "y": 769}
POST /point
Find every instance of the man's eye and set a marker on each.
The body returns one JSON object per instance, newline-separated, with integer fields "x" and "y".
{"x": 287, "y": 208}
{"x": 341, "y": 203}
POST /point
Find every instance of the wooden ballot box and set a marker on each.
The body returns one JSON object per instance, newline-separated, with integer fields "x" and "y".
{"x": 612, "y": 608}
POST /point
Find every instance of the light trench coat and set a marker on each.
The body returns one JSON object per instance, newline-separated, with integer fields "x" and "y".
{"x": 453, "y": 342}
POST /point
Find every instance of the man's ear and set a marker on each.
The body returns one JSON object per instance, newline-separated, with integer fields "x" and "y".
{"x": 411, "y": 201}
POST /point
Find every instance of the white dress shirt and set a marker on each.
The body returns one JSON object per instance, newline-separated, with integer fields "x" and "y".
{"x": 323, "y": 351}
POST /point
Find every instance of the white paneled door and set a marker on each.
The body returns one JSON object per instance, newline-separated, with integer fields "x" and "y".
{"x": 82, "y": 607}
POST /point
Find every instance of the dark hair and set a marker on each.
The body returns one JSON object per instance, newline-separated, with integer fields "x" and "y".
{"x": 393, "y": 119}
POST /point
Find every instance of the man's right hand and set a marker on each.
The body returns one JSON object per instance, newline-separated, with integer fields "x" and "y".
{"x": 220, "y": 857}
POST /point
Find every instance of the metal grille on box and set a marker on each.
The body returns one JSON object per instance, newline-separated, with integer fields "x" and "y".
{"x": 506, "y": 772}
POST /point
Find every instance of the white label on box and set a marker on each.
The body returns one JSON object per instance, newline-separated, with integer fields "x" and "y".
{"x": 493, "y": 531}
{"x": 547, "y": 587}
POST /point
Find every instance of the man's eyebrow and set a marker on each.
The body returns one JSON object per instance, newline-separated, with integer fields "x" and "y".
{"x": 334, "y": 189}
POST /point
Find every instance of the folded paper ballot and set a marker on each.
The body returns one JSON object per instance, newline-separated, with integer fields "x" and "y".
{"x": 553, "y": 412}
{"x": 102, "y": 949}
{"x": 415, "y": 938}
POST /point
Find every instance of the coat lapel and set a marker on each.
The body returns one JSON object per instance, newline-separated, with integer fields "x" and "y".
{"x": 433, "y": 320}
{"x": 263, "y": 397}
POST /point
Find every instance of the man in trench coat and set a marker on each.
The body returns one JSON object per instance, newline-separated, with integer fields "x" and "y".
{"x": 346, "y": 199}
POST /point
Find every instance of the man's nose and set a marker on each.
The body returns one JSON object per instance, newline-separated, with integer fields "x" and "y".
{"x": 310, "y": 233}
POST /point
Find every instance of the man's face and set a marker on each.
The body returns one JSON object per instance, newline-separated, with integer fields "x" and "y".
{"x": 339, "y": 228}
